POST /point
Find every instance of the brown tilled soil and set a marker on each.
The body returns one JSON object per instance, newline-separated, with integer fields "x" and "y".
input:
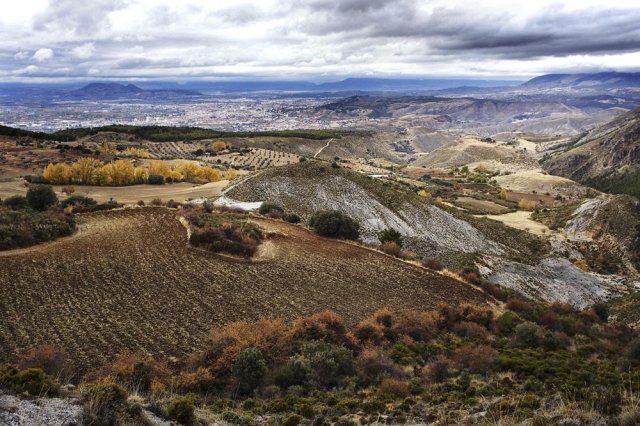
{"x": 128, "y": 281}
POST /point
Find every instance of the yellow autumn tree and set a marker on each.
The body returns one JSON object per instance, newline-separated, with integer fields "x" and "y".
{"x": 84, "y": 170}
{"x": 209, "y": 174}
{"x": 159, "y": 168}
{"x": 231, "y": 173}
{"x": 57, "y": 174}
{"x": 119, "y": 172}
{"x": 135, "y": 153}
{"x": 189, "y": 171}
{"x": 219, "y": 145}
{"x": 141, "y": 174}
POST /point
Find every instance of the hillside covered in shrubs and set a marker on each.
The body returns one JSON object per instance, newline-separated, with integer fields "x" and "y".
{"x": 543, "y": 364}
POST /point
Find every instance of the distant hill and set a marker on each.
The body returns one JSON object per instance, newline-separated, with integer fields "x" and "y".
{"x": 608, "y": 79}
{"x": 112, "y": 90}
{"x": 607, "y": 157}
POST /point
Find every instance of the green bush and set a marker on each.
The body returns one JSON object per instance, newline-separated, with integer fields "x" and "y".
{"x": 330, "y": 363}
{"x": 155, "y": 180}
{"x": 181, "y": 409}
{"x": 249, "y": 369}
{"x": 16, "y": 202}
{"x": 78, "y": 200}
{"x": 296, "y": 371}
{"x": 31, "y": 380}
{"x": 41, "y": 197}
{"x": 22, "y": 228}
{"x": 271, "y": 209}
{"x": 526, "y": 334}
{"x": 335, "y": 224}
{"x": 292, "y": 218}
{"x": 105, "y": 404}
{"x": 390, "y": 235}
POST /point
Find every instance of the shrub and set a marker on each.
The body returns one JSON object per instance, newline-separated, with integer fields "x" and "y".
{"x": 390, "y": 235}
{"x": 330, "y": 363}
{"x": 326, "y": 325}
{"x": 601, "y": 309}
{"x": 181, "y": 409}
{"x": 78, "y": 200}
{"x": 249, "y": 369}
{"x": 394, "y": 387}
{"x": 16, "y": 202}
{"x": 526, "y": 334}
{"x": 31, "y": 380}
{"x": 41, "y": 197}
{"x": 476, "y": 358}
{"x": 438, "y": 369}
{"x": 374, "y": 363}
{"x": 50, "y": 358}
{"x": 391, "y": 248}
{"x": 271, "y": 210}
{"x": 103, "y": 404}
{"x": 507, "y": 322}
{"x": 238, "y": 238}
{"x": 292, "y": 218}
{"x": 334, "y": 224}
{"x": 434, "y": 264}
{"x": 155, "y": 180}
{"x": 156, "y": 202}
{"x": 296, "y": 371}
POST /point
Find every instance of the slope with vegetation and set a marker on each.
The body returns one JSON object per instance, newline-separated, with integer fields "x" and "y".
{"x": 128, "y": 280}
{"x": 464, "y": 364}
{"x": 607, "y": 157}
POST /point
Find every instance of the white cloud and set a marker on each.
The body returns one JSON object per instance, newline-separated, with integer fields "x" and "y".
{"x": 84, "y": 51}
{"x": 43, "y": 55}
{"x": 316, "y": 39}
{"x": 21, "y": 56}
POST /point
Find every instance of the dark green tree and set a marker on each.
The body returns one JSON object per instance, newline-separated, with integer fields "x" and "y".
{"x": 40, "y": 197}
{"x": 335, "y": 224}
{"x": 249, "y": 369}
{"x": 392, "y": 235}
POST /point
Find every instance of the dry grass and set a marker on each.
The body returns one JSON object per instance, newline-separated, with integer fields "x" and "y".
{"x": 128, "y": 281}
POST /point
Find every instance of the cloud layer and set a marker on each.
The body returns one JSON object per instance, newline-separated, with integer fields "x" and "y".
{"x": 314, "y": 39}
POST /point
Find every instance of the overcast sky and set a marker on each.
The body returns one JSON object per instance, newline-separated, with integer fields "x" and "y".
{"x": 319, "y": 40}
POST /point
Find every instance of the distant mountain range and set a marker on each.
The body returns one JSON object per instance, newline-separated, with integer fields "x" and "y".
{"x": 107, "y": 91}
{"x": 608, "y": 79}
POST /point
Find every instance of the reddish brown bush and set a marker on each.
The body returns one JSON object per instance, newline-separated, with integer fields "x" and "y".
{"x": 133, "y": 371}
{"x": 394, "y": 387}
{"x": 477, "y": 358}
{"x": 391, "y": 248}
{"x": 434, "y": 264}
{"x": 224, "y": 344}
{"x": 50, "y": 358}
{"x": 370, "y": 332}
{"x": 326, "y": 326}
{"x": 470, "y": 329}
{"x": 438, "y": 369}
{"x": 373, "y": 362}
{"x": 520, "y": 306}
{"x": 419, "y": 326}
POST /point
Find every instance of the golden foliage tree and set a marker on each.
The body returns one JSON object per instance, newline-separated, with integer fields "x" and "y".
{"x": 57, "y": 174}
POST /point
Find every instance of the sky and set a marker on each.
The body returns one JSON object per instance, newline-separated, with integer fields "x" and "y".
{"x": 315, "y": 40}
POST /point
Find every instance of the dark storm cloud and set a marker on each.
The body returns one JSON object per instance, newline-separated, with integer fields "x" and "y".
{"x": 553, "y": 32}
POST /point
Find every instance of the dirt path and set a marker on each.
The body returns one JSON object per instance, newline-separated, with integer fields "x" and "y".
{"x": 323, "y": 148}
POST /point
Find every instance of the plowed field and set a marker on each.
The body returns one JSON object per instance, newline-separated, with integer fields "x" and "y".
{"x": 128, "y": 281}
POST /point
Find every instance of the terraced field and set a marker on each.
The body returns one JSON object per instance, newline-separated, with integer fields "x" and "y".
{"x": 127, "y": 280}
{"x": 256, "y": 159}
